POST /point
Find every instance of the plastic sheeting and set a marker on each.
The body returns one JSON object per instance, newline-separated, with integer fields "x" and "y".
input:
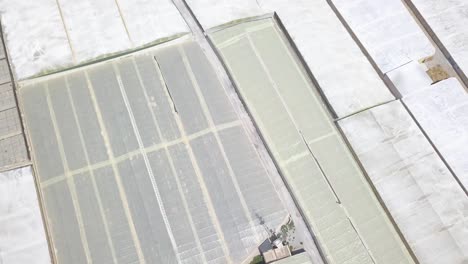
{"x": 387, "y": 30}
{"x": 344, "y": 74}
{"x": 448, "y": 19}
{"x": 441, "y": 111}
{"x": 142, "y": 158}
{"x": 421, "y": 194}
{"x": 35, "y": 36}
{"x": 22, "y": 236}
{"x": 344, "y": 214}
{"x": 212, "y": 13}
{"x": 48, "y": 35}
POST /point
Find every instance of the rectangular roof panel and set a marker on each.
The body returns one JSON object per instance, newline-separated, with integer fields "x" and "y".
{"x": 40, "y": 128}
{"x": 116, "y": 200}
{"x": 181, "y": 89}
{"x": 63, "y": 223}
{"x": 4, "y": 72}
{"x": 173, "y": 196}
{"x": 210, "y": 239}
{"x": 216, "y": 100}
{"x": 142, "y": 202}
{"x": 137, "y": 99}
{"x": 254, "y": 183}
{"x": 95, "y": 222}
{"x": 62, "y": 107}
{"x": 7, "y": 96}
{"x": 106, "y": 92}
{"x": 161, "y": 108}
{"x": 234, "y": 220}
{"x": 86, "y": 116}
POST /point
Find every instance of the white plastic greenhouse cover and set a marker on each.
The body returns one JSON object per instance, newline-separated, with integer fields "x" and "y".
{"x": 49, "y": 35}
{"x": 387, "y": 30}
{"x": 448, "y": 20}
{"x": 22, "y": 236}
{"x": 420, "y": 192}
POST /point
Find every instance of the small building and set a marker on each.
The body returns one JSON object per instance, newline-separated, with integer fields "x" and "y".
{"x": 276, "y": 253}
